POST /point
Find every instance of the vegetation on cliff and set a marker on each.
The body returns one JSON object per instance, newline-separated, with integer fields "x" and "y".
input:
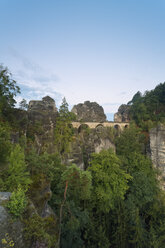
{"x": 63, "y": 129}
{"x": 148, "y": 109}
{"x": 116, "y": 202}
{"x": 8, "y": 90}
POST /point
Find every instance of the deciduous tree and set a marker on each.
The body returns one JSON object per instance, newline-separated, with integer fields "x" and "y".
{"x": 8, "y": 90}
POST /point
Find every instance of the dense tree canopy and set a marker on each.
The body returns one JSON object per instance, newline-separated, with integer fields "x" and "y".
{"x": 110, "y": 182}
{"x": 149, "y": 107}
{"x": 116, "y": 202}
{"x": 8, "y": 90}
{"x": 63, "y": 129}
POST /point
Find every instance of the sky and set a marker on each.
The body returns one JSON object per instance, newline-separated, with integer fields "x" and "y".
{"x": 96, "y": 50}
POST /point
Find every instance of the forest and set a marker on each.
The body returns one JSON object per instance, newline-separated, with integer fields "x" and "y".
{"x": 116, "y": 202}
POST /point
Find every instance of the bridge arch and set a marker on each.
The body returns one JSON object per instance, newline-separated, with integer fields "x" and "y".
{"x": 70, "y": 125}
{"x": 117, "y": 127}
{"x": 99, "y": 127}
{"x": 82, "y": 127}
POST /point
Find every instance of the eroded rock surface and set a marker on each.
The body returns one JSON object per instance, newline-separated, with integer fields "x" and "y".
{"x": 41, "y": 122}
{"x": 123, "y": 114}
{"x": 157, "y": 147}
{"x": 89, "y": 112}
{"x": 43, "y": 111}
{"x": 86, "y": 142}
{"x": 9, "y": 230}
{"x": 40, "y": 194}
{"x": 46, "y": 104}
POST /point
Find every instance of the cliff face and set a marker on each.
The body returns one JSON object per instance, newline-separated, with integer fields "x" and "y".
{"x": 89, "y": 112}
{"x": 86, "y": 142}
{"x": 44, "y": 111}
{"x": 13, "y": 230}
{"x": 157, "y": 147}
{"x": 41, "y": 122}
{"x": 46, "y": 104}
{"x": 9, "y": 230}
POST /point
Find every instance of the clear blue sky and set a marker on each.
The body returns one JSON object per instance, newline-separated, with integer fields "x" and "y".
{"x": 97, "y": 50}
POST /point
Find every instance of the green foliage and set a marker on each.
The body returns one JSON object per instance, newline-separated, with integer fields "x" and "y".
{"x": 71, "y": 189}
{"x": 7, "y": 241}
{"x": 63, "y": 129}
{"x": 17, "y": 173}
{"x": 139, "y": 233}
{"x": 130, "y": 140}
{"x": 112, "y": 133}
{"x": 38, "y": 229}
{"x": 115, "y": 203}
{"x": 23, "y": 104}
{"x": 150, "y": 106}
{"x": 110, "y": 182}
{"x": 18, "y": 202}
{"x": 5, "y": 144}
{"x": 144, "y": 185}
{"x": 157, "y": 222}
{"x": 136, "y": 98}
{"x": 41, "y": 164}
{"x": 74, "y": 222}
{"x": 8, "y": 90}
{"x": 34, "y": 129}
{"x": 95, "y": 234}
{"x": 79, "y": 183}
{"x": 137, "y": 209}
{"x": 141, "y": 191}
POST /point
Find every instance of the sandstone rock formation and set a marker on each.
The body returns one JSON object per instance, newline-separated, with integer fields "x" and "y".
{"x": 89, "y": 112}
{"x": 9, "y": 230}
{"x": 157, "y": 147}
{"x": 40, "y": 194}
{"x": 40, "y": 110}
{"x": 46, "y": 104}
{"x": 88, "y": 141}
{"x": 41, "y": 121}
{"x": 123, "y": 114}
{"x": 12, "y": 230}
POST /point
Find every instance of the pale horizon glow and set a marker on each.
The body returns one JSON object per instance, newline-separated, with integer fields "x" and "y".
{"x": 103, "y": 51}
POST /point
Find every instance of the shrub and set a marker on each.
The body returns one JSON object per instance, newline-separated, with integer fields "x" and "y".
{"x": 17, "y": 202}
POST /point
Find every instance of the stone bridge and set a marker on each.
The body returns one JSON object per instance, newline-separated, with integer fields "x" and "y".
{"x": 117, "y": 125}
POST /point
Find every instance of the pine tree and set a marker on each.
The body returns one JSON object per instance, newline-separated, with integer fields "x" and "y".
{"x": 63, "y": 129}
{"x": 17, "y": 171}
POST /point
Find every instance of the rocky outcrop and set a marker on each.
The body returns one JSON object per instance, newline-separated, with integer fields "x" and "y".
{"x": 9, "y": 230}
{"x": 86, "y": 142}
{"x": 12, "y": 230}
{"x": 157, "y": 147}
{"x": 42, "y": 111}
{"x": 123, "y": 114}
{"x": 89, "y": 112}
{"x": 40, "y": 194}
{"x": 37, "y": 124}
{"x": 46, "y": 104}
{"x": 41, "y": 122}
